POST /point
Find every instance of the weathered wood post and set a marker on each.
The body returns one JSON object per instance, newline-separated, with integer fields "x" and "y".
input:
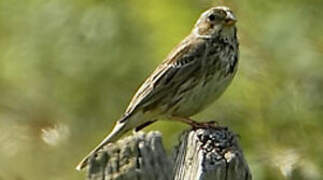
{"x": 210, "y": 154}
{"x": 203, "y": 154}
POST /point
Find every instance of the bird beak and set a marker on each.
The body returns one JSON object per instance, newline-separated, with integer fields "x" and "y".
{"x": 230, "y": 19}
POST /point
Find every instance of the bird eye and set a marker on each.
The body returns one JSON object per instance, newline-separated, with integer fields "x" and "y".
{"x": 219, "y": 14}
{"x": 211, "y": 17}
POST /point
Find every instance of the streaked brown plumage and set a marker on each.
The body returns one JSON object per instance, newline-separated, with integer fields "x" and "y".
{"x": 193, "y": 76}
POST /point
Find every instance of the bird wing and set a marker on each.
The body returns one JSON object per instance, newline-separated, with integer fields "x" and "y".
{"x": 177, "y": 68}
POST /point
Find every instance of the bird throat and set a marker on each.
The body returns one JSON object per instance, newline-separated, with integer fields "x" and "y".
{"x": 222, "y": 51}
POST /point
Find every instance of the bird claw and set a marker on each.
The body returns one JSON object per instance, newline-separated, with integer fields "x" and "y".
{"x": 209, "y": 124}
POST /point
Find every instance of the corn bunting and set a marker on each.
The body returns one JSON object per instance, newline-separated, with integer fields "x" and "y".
{"x": 194, "y": 75}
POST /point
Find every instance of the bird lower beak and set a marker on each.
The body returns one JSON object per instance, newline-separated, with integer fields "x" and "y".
{"x": 230, "y": 20}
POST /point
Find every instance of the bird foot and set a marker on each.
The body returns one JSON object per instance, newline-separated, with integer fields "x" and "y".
{"x": 200, "y": 125}
{"x": 209, "y": 124}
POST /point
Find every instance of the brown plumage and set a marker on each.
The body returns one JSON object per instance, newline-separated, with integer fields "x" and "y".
{"x": 193, "y": 76}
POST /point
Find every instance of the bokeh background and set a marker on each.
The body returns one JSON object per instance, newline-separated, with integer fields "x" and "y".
{"x": 69, "y": 68}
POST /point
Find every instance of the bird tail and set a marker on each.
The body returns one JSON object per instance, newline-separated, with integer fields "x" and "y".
{"x": 117, "y": 131}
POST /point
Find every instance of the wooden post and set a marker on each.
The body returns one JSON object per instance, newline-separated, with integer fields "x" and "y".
{"x": 137, "y": 157}
{"x": 202, "y": 154}
{"x": 210, "y": 154}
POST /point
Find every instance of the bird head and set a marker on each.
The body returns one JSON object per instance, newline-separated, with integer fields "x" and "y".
{"x": 214, "y": 21}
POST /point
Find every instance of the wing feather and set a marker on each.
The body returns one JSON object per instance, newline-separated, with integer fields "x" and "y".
{"x": 174, "y": 71}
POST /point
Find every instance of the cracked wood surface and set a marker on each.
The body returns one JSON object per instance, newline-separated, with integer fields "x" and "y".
{"x": 202, "y": 154}
{"x": 137, "y": 157}
{"x": 210, "y": 154}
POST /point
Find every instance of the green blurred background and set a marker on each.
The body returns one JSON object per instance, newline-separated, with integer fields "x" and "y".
{"x": 69, "y": 68}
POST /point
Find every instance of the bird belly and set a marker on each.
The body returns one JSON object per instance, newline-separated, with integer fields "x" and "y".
{"x": 201, "y": 96}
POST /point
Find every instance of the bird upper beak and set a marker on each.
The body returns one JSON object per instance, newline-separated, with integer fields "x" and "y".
{"x": 230, "y": 19}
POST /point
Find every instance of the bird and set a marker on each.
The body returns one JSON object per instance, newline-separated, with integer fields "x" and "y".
{"x": 193, "y": 75}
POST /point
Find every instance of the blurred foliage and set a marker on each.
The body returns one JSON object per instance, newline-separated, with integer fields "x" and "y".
{"x": 69, "y": 68}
